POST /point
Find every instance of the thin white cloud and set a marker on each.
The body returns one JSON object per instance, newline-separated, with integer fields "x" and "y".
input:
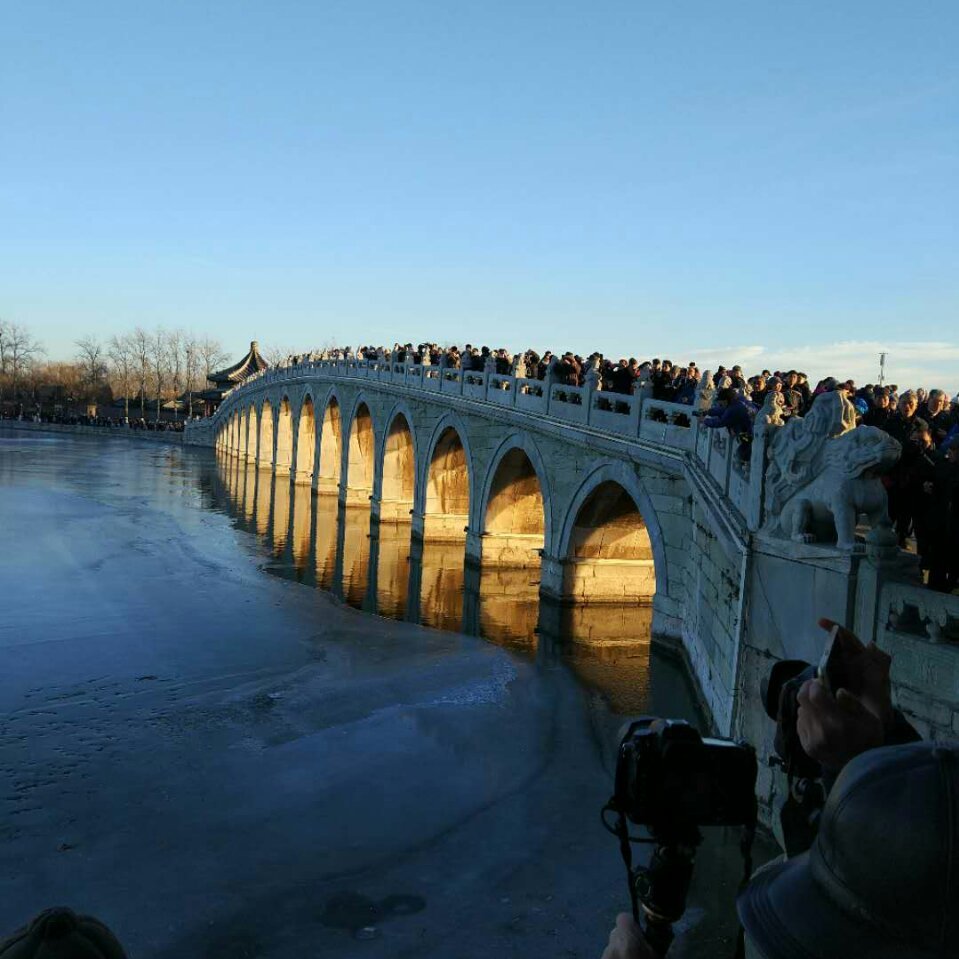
{"x": 928, "y": 363}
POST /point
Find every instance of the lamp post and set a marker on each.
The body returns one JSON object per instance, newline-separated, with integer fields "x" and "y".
{"x": 882, "y": 368}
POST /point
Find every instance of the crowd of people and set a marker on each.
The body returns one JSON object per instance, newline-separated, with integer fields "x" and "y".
{"x": 923, "y": 487}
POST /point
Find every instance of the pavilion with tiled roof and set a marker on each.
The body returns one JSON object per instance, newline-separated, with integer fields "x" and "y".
{"x": 224, "y": 380}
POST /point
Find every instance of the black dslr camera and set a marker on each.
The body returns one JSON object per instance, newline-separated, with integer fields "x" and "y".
{"x": 801, "y": 811}
{"x": 672, "y": 781}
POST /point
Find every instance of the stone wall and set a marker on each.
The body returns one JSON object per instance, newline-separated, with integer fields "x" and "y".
{"x": 712, "y": 619}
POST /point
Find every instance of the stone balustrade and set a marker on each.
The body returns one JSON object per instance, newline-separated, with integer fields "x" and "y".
{"x": 919, "y": 628}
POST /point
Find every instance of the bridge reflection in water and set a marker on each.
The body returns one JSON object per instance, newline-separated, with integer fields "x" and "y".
{"x": 381, "y": 569}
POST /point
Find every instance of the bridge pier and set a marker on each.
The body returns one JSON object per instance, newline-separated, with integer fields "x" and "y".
{"x": 474, "y": 547}
{"x": 471, "y": 598}
{"x": 414, "y": 585}
{"x": 416, "y": 522}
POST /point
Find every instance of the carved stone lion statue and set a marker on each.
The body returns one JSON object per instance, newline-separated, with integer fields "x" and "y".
{"x": 823, "y": 473}
{"x": 770, "y": 416}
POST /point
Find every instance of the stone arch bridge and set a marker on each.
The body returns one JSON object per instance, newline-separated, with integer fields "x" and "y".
{"x": 615, "y": 499}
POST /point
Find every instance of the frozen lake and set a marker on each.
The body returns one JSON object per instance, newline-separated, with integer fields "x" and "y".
{"x": 211, "y": 742}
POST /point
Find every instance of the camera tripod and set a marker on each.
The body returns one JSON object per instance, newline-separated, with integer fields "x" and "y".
{"x": 658, "y": 891}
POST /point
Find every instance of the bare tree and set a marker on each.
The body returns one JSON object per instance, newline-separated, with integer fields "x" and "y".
{"x": 140, "y": 348}
{"x": 91, "y": 361}
{"x": 123, "y": 362}
{"x": 158, "y": 365}
{"x": 18, "y": 352}
{"x": 174, "y": 340}
{"x": 191, "y": 368}
{"x": 211, "y": 355}
{"x": 277, "y": 355}
{"x": 61, "y": 383}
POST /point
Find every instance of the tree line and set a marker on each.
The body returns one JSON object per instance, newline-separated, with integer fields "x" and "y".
{"x": 144, "y": 368}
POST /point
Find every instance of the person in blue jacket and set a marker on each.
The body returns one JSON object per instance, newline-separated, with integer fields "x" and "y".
{"x": 732, "y": 412}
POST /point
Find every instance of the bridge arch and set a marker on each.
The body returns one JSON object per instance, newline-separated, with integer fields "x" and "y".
{"x": 611, "y": 545}
{"x": 446, "y": 482}
{"x": 304, "y": 449}
{"x": 329, "y": 438}
{"x": 284, "y": 436}
{"x": 360, "y": 455}
{"x": 397, "y": 473}
{"x": 514, "y": 513}
{"x": 264, "y": 455}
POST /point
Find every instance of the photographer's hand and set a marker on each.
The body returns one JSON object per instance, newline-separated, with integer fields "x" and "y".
{"x": 835, "y": 729}
{"x": 626, "y": 941}
{"x": 865, "y": 673}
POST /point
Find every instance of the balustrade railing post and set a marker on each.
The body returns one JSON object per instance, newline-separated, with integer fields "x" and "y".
{"x": 757, "y": 479}
{"x": 589, "y": 391}
{"x": 728, "y": 465}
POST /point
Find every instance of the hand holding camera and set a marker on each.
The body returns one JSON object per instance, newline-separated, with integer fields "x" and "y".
{"x": 626, "y": 941}
{"x": 847, "y": 708}
{"x": 863, "y": 671}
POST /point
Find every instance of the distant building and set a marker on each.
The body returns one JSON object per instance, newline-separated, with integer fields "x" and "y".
{"x": 224, "y": 380}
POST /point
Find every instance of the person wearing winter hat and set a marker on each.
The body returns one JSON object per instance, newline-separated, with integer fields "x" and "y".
{"x": 61, "y": 933}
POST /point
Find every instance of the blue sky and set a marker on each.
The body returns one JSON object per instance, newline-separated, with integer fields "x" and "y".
{"x": 712, "y": 181}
